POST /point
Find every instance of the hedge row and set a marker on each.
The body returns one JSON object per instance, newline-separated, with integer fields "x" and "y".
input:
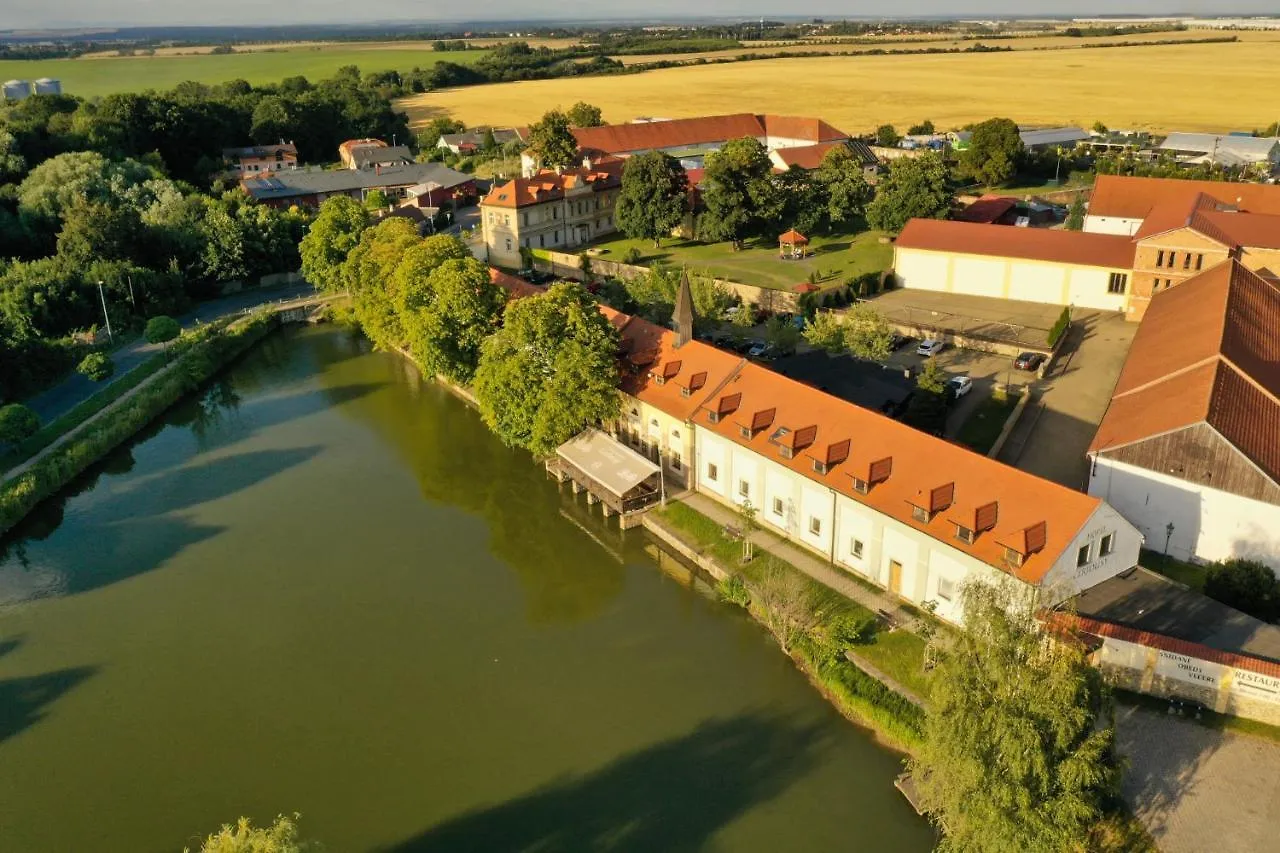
{"x": 200, "y": 361}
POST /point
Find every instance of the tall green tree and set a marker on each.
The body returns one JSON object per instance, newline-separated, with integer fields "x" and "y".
{"x": 583, "y": 114}
{"x": 1076, "y": 214}
{"x": 331, "y": 237}
{"x": 867, "y": 334}
{"x": 738, "y": 193}
{"x": 445, "y": 336}
{"x": 825, "y": 331}
{"x": 916, "y": 187}
{"x": 847, "y": 191}
{"x": 17, "y": 422}
{"x": 369, "y": 274}
{"x": 412, "y": 287}
{"x": 804, "y": 200}
{"x": 550, "y": 371}
{"x": 653, "y": 198}
{"x": 887, "y": 136}
{"x": 654, "y": 296}
{"x": 551, "y": 141}
{"x": 1018, "y": 746}
{"x": 927, "y": 409}
{"x": 995, "y": 152}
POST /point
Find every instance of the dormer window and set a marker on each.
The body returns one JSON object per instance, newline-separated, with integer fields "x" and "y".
{"x": 685, "y": 392}
{"x": 860, "y": 486}
{"x": 785, "y": 452}
{"x": 745, "y": 432}
{"x": 819, "y": 467}
{"x": 659, "y": 378}
{"x": 964, "y": 534}
{"x": 714, "y": 417}
{"x": 920, "y": 514}
{"x": 1012, "y": 557}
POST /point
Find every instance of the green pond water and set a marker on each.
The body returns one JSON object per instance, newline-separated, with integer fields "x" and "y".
{"x": 322, "y": 586}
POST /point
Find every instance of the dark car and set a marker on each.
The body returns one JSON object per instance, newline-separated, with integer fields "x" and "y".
{"x": 897, "y": 341}
{"x": 1029, "y": 361}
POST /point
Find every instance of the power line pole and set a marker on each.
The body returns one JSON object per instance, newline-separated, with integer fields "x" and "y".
{"x": 105, "y": 315}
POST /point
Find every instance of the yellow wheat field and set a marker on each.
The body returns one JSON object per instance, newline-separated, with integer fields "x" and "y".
{"x": 1177, "y": 87}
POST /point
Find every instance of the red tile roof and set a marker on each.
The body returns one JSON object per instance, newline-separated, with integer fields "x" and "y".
{"x": 1039, "y": 517}
{"x": 657, "y": 373}
{"x": 987, "y": 210}
{"x": 1207, "y": 352}
{"x": 1038, "y": 244}
{"x": 685, "y": 132}
{"x": 549, "y": 186}
{"x": 516, "y": 287}
{"x": 1098, "y": 628}
{"x": 1135, "y": 198}
{"x": 805, "y": 156}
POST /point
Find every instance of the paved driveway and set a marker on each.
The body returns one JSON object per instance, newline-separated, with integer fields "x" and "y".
{"x": 1197, "y": 789}
{"x": 984, "y": 368}
{"x": 75, "y": 389}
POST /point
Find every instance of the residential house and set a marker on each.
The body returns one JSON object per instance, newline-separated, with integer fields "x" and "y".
{"x": 375, "y": 156}
{"x": 689, "y": 140}
{"x": 1120, "y": 204}
{"x": 1189, "y": 449}
{"x": 472, "y": 141}
{"x": 550, "y": 210}
{"x": 1027, "y": 264}
{"x": 811, "y": 156}
{"x": 1229, "y": 150}
{"x": 348, "y": 149}
{"x": 310, "y": 187}
{"x": 256, "y": 159}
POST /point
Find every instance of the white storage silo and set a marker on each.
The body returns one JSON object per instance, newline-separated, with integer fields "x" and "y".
{"x": 16, "y": 90}
{"x": 48, "y": 86}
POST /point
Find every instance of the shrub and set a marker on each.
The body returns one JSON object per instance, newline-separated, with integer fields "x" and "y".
{"x": 631, "y": 256}
{"x": 17, "y": 422}
{"x": 96, "y": 366}
{"x": 832, "y": 638}
{"x": 1247, "y": 585}
{"x": 1060, "y": 326}
{"x": 161, "y": 330}
{"x": 734, "y": 590}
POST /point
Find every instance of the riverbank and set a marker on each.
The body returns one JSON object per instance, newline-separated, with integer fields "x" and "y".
{"x": 200, "y": 357}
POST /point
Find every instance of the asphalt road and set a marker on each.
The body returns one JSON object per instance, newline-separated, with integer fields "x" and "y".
{"x": 75, "y": 389}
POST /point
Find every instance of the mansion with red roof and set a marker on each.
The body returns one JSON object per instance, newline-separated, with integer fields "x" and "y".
{"x": 1142, "y": 236}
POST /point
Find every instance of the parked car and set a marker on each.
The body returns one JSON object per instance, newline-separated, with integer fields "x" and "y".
{"x": 929, "y": 347}
{"x": 1028, "y": 361}
{"x": 897, "y": 341}
{"x": 958, "y": 386}
{"x": 758, "y": 350}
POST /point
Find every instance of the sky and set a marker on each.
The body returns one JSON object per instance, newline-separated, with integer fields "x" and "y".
{"x": 71, "y": 13}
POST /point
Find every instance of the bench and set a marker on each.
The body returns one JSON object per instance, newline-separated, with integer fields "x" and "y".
{"x": 885, "y": 616}
{"x": 732, "y": 532}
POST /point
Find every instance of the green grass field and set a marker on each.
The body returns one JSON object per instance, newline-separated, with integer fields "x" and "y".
{"x": 983, "y": 426}
{"x": 835, "y": 258}
{"x": 106, "y": 75}
{"x": 1185, "y": 573}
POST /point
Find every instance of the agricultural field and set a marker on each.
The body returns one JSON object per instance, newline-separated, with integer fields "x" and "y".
{"x": 1175, "y": 87}
{"x": 103, "y": 75}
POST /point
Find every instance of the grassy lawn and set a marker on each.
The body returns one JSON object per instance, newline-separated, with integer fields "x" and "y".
{"x": 89, "y": 77}
{"x": 983, "y": 426}
{"x": 1182, "y": 572}
{"x": 836, "y": 258}
{"x": 900, "y": 654}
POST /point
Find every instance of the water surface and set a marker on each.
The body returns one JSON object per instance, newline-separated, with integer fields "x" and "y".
{"x": 322, "y": 586}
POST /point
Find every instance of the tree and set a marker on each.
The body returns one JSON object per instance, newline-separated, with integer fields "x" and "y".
{"x": 653, "y": 198}
{"x": 924, "y": 128}
{"x": 825, "y": 331}
{"x": 927, "y": 409}
{"x": 161, "y": 330}
{"x": 782, "y": 334}
{"x": 916, "y": 187}
{"x": 1100, "y": 128}
{"x": 1075, "y": 215}
{"x": 12, "y": 163}
{"x": 784, "y": 601}
{"x": 846, "y": 188}
{"x": 17, "y": 423}
{"x": 331, "y": 237}
{"x": 803, "y": 200}
{"x": 446, "y": 335}
{"x": 550, "y": 371}
{"x": 747, "y": 517}
{"x": 412, "y": 286}
{"x": 1018, "y": 746}
{"x": 551, "y": 141}
{"x": 369, "y": 275}
{"x": 376, "y": 200}
{"x": 995, "y": 152}
{"x": 244, "y": 837}
{"x": 583, "y": 114}
{"x": 887, "y": 136}
{"x": 96, "y": 366}
{"x": 59, "y": 182}
{"x": 490, "y": 143}
{"x": 867, "y": 334}
{"x": 1247, "y": 585}
{"x": 738, "y": 193}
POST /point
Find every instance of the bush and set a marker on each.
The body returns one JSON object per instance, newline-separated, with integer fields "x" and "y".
{"x": 1060, "y": 327}
{"x": 832, "y": 638}
{"x": 96, "y": 366}
{"x": 734, "y": 590}
{"x": 17, "y": 422}
{"x": 161, "y": 330}
{"x": 631, "y": 256}
{"x": 1247, "y": 585}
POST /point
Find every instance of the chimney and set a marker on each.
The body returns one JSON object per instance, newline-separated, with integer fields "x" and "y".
{"x": 683, "y": 317}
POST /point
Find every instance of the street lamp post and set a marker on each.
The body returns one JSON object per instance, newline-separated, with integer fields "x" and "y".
{"x": 105, "y": 316}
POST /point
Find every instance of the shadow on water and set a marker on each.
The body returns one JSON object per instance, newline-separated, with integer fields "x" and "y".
{"x": 670, "y": 796}
{"x": 24, "y": 699}
{"x": 138, "y": 530}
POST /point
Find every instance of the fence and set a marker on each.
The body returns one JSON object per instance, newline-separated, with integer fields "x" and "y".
{"x": 1162, "y": 666}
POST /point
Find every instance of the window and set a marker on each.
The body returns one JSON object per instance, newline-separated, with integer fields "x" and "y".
{"x": 1012, "y": 557}
{"x": 1186, "y": 261}
{"x": 1199, "y": 261}
{"x": 555, "y": 213}
{"x": 1082, "y": 556}
{"x": 786, "y": 452}
{"x": 1160, "y": 258}
{"x": 745, "y": 432}
{"x": 946, "y": 589}
{"x": 685, "y": 392}
{"x": 920, "y": 514}
{"x": 855, "y": 548}
{"x": 964, "y": 534}
{"x": 1118, "y": 282}
{"x": 1107, "y": 545}
{"x": 713, "y": 473}
{"x": 557, "y": 235}
{"x": 819, "y": 467}
{"x": 860, "y": 486}
{"x": 777, "y": 507}
{"x": 524, "y": 219}
{"x": 675, "y": 460}
{"x": 744, "y": 488}
{"x": 508, "y": 244}
{"x": 542, "y": 240}
{"x": 653, "y": 425}
{"x": 815, "y": 525}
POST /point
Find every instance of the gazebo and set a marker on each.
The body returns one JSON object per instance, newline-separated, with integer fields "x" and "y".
{"x": 791, "y": 245}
